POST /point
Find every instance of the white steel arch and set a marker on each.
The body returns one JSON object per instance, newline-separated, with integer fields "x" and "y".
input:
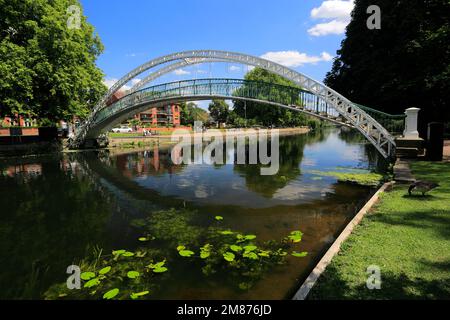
{"x": 168, "y": 69}
{"x": 369, "y": 127}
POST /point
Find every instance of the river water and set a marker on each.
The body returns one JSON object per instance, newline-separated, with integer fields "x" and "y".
{"x": 58, "y": 210}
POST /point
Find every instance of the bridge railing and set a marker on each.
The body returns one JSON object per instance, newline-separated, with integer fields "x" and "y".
{"x": 394, "y": 123}
{"x": 235, "y": 88}
{"x": 216, "y": 87}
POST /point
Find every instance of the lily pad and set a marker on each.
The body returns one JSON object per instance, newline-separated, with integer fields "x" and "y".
{"x": 205, "y": 251}
{"x": 105, "y": 270}
{"x": 229, "y": 256}
{"x": 128, "y": 254}
{"x": 235, "y": 248}
{"x": 157, "y": 265}
{"x": 133, "y": 274}
{"x": 226, "y": 232}
{"x": 250, "y": 248}
{"x": 91, "y": 283}
{"x": 219, "y": 218}
{"x": 295, "y": 236}
{"x": 111, "y": 294}
{"x": 186, "y": 253}
{"x": 118, "y": 252}
{"x": 250, "y": 255}
{"x": 87, "y": 275}
{"x": 160, "y": 270}
{"x": 264, "y": 254}
{"x": 299, "y": 254}
{"x": 137, "y": 295}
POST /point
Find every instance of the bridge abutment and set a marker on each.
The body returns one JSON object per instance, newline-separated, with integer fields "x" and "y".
{"x": 410, "y": 145}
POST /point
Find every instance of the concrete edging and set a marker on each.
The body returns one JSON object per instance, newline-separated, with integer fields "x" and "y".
{"x": 309, "y": 283}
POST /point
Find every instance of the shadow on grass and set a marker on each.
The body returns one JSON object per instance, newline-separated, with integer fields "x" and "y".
{"x": 398, "y": 287}
{"x": 425, "y": 219}
{"x": 438, "y": 221}
{"x": 438, "y": 266}
{"x": 419, "y": 197}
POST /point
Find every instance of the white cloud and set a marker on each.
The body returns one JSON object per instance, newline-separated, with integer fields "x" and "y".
{"x": 181, "y": 72}
{"x": 295, "y": 58}
{"x": 204, "y": 104}
{"x": 339, "y": 11}
{"x": 326, "y": 28}
{"x": 109, "y": 82}
{"x": 234, "y": 69}
{"x": 333, "y": 9}
{"x": 135, "y": 81}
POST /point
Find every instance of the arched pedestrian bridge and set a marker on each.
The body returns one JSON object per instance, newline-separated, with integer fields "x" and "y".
{"x": 314, "y": 98}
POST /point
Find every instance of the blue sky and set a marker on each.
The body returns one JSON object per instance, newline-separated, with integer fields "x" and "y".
{"x": 301, "y": 34}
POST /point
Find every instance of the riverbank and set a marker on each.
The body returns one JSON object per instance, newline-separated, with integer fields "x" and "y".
{"x": 407, "y": 237}
{"x": 141, "y": 141}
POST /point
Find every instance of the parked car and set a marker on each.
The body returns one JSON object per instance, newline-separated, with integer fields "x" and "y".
{"x": 122, "y": 129}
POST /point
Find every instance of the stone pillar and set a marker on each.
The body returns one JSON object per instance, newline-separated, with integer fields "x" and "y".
{"x": 411, "y": 123}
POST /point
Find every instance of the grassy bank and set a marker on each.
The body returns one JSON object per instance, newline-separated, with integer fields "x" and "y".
{"x": 408, "y": 237}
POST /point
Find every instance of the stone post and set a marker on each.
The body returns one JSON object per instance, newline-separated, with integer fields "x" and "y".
{"x": 411, "y": 124}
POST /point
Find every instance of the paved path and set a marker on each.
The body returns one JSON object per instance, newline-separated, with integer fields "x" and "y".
{"x": 402, "y": 171}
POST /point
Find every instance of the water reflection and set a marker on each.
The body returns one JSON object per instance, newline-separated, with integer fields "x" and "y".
{"x": 55, "y": 210}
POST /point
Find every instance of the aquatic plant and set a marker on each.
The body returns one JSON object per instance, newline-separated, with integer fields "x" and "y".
{"x": 360, "y": 178}
{"x": 239, "y": 258}
{"x": 120, "y": 275}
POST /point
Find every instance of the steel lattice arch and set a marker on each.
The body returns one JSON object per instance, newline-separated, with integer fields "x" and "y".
{"x": 103, "y": 116}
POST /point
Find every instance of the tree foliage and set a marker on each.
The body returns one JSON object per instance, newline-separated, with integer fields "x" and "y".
{"x": 48, "y": 69}
{"x": 219, "y": 110}
{"x": 190, "y": 113}
{"x": 268, "y": 114}
{"x": 404, "y": 64}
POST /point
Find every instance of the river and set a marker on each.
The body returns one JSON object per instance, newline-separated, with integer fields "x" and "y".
{"x": 58, "y": 210}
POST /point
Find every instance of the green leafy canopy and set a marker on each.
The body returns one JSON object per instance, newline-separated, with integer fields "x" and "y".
{"x": 48, "y": 69}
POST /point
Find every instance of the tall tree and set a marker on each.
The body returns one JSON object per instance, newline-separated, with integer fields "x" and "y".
{"x": 268, "y": 114}
{"x": 404, "y": 64}
{"x": 219, "y": 110}
{"x": 190, "y": 113}
{"x": 47, "y": 59}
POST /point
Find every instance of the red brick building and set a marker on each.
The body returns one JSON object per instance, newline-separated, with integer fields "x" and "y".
{"x": 18, "y": 121}
{"x": 162, "y": 116}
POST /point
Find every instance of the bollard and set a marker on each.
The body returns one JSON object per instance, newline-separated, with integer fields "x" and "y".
{"x": 435, "y": 141}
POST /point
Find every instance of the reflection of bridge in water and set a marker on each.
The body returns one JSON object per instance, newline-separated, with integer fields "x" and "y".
{"x": 97, "y": 197}
{"x": 314, "y": 98}
{"x": 151, "y": 174}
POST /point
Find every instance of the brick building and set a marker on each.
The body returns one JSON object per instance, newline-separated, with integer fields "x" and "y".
{"x": 162, "y": 116}
{"x": 18, "y": 121}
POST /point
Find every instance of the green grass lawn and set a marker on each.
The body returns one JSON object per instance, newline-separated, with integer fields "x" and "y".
{"x": 408, "y": 237}
{"x": 125, "y": 135}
